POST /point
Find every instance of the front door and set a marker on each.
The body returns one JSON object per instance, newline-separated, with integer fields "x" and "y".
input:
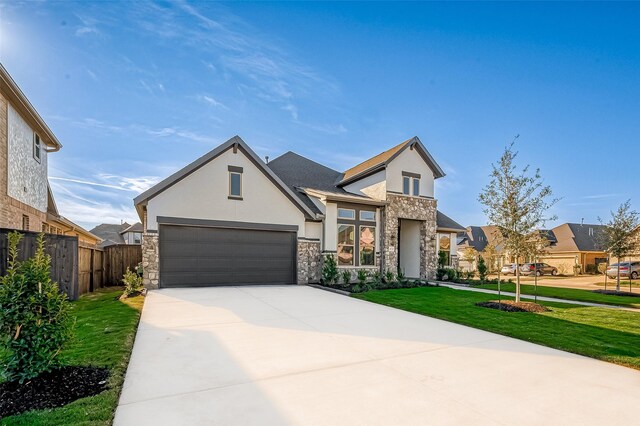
{"x": 409, "y": 248}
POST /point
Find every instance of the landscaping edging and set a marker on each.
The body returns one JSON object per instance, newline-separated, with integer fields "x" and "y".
{"x": 329, "y": 289}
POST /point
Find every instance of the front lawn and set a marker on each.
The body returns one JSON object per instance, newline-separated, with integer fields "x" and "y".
{"x": 606, "y": 334}
{"x": 568, "y": 294}
{"x": 104, "y": 333}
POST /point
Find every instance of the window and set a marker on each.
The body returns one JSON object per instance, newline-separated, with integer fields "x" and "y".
{"x": 25, "y": 222}
{"x": 444, "y": 252}
{"x": 137, "y": 238}
{"x": 367, "y": 215}
{"x": 36, "y": 147}
{"x": 235, "y": 185}
{"x": 367, "y": 246}
{"x": 416, "y": 187}
{"x": 406, "y": 181}
{"x": 346, "y": 244}
{"x": 346, "y": 214}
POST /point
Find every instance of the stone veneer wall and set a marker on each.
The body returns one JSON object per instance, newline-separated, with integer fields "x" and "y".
{"x": 150, "y": 258}
{"x": 405, "y": 207}
{"x": 309, "y": 261}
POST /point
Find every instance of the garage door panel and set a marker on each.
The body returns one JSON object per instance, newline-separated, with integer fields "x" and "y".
{"x": 198, "y": 256}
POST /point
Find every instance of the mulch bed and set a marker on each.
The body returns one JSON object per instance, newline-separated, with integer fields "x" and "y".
{"x": 50, "y": 390}
{"x": 617, "y": 293}
{"x": 512, "y": 306}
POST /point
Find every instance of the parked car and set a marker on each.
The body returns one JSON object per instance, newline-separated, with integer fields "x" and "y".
{"x": 509, "y": 269}
{"x": 538, "y": 269}
{"x": 625, "y": 269}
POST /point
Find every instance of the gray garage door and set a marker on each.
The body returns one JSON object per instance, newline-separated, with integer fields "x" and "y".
{"x": 205, "y": 256}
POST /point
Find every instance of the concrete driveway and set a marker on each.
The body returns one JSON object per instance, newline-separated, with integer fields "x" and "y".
{"x": 298, "y": 355}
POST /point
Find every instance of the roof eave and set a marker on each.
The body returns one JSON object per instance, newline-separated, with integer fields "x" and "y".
{"x": 21, "y": 103}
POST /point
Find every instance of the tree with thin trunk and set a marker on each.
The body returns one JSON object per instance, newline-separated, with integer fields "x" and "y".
{"x": 620, "y": 236}
{"x": 516, "y": 202}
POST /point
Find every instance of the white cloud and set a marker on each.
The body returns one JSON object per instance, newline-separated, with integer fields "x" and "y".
{"x": 210, "y": 100}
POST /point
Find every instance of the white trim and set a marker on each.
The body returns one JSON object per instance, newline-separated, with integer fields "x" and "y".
{"x": 231, "y": 194}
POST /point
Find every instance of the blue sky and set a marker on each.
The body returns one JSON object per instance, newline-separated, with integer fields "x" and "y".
{"x": 135, "y": 91}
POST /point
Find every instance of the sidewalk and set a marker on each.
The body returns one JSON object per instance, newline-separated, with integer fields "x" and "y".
{"x": 528, "y": 296}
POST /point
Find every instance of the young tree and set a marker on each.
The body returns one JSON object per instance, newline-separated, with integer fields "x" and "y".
{"x": 620, "y": 235}
{"x": 469, "y": 255}
{"x": 516, "y": 202}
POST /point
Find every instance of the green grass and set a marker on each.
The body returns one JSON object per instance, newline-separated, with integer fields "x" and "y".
{"x": 602, "y": 333}
{"x": 105, "y": 329}
{"x": 569, "y": 294}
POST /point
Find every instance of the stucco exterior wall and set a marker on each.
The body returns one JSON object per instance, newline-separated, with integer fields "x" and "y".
{"x": 409, "y": 161}
{"x": 313, "y": 230}
{"x": 27, "y": 177}
{"x": 204, "y": 195}
{"x": 374, "y": 186}
{"x": 11, "y": 209}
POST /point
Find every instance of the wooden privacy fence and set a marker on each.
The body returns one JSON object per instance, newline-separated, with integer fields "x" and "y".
{"x": 117, "y": 259}
{"x": 78, "y": 269}
{"x": 64, "y": 257}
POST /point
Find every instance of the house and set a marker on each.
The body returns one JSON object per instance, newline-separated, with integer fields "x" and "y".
{"x": 480, "y": 240}
{"x": 25, "y": 144}
{"x": 230, "y": 218}
{"x": 112, "y": 234}
{"x": 569, "y": 244}
{"x": 572, "y": 244}
{"x": 26, "y": 200}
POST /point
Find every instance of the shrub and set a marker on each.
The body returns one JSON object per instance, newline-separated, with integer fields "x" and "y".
{"x": 468, "y": 275}
{"x": 482, "y": 269}
{"x": 442, "y": 258}
{"x": 389, "y": 277}
{"x": 440, "y": 273}
{"x": 132, "y": 283}
{"x": 362, "y": 276}
{"x": 346, "y": 277}
{"x": 402, "y": 279}
{"x": 329, "y": 270}
{"x": 591, "y": 269}
{"x": 451, "y": 274}
{"x": 34, "y": 316}
{"x": 376, "y": 279}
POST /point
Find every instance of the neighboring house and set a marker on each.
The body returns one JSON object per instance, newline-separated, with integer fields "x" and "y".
{"x": 570, "y": 244}
{"x": 479, "y": 240}
{"x": 26, "y": 201}
{"x": 25, "y": 144}
{"x": 229, "y": 218}
{"x": 123, "y": 233}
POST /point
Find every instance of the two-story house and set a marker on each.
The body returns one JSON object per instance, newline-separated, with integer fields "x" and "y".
{"x": 26, "y": 200}
{"x": 231, "y": 218}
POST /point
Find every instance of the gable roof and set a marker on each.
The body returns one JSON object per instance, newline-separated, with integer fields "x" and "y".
{"x": 479, "y": 237}
{"x": 302, "y": 175}
{"x": 577, "y": 237}
{"x": 136, "y": 227}
{"x": 20, "y": 102}
{"x": 381, "y": 161}
{"x": 234, "y": 143}
{"x": 445, "y": 223}
{"x": 110, "y": 233}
